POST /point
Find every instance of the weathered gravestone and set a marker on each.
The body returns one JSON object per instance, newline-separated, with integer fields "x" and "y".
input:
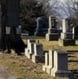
{"x": 67, "y": 35}
{"x": 60, "y": 64}
{"x": 30, "y": 48}
{"x": 76, "y": 32}
{"x": 53, "y": 32}
{"x": 34, "y": 51}
{"x": 56, "y": 63}
{"x": 38, "y": 53}
{"x": 42, "y": 26}
{"x": 49, "y": 61}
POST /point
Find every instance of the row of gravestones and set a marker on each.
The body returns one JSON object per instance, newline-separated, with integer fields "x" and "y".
{"x": 49, "y": 28}
{"x": 34, "y": 51}
{"x": 56, "y": 63}
{"x": 66, "y": 37}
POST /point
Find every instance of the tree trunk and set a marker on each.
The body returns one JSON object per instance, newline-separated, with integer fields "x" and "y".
{"x": 9, "y": 24}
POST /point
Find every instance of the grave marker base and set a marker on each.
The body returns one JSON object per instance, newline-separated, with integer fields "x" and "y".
{"x": 61, "y": 73}
{"x": 52, "y": 36}
{"x": 66, "y": 42}
{"x": 67, "y": 35}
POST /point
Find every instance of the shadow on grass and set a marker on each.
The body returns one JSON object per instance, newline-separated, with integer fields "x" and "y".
{"x": 72, "y": 60}
{"x": 71, "y": 56}
{"x": 75, "y": 72}
{"x": 70, "y": 51}
{"x": 76, "y": 61}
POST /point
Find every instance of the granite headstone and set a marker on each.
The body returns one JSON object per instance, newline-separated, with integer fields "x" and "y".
{"x": 42, "y": 26}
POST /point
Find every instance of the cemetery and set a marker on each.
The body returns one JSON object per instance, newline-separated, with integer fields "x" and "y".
{"x": 51, "y": 53}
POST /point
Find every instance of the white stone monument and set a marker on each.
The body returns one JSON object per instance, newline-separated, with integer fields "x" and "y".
{"x": 44, "y": 67}
{"x": 49, "y": 63}
{"x": 30, "y": 48}
{"x": 56, "y": 63}
{"x": 67, "y": 35}
{"x": 60, "y": 68}
{"x": 53, "y": 32}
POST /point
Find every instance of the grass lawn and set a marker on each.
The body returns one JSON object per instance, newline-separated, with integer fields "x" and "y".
{"x": 22, "y": 68}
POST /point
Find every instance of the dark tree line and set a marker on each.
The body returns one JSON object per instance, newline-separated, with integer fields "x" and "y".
{"x": 29, "y": 11}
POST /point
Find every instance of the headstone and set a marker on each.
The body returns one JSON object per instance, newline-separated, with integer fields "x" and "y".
{"x": 49, "y": 61}
{"x": 30, "y": 48}
{"x": 42, "y": 26}
{"x": 38, "y": 53}
{"x": 60, "y": 63}
{"x": 53, "y": 32}
{"x": 38, "y": 49}
{"x": 34, "y": 51}
{"x": 76, "y": 32}
{"x": 44, "y": 67}
{"x": 67, "y": 35}
{"x": 56, "y": 63}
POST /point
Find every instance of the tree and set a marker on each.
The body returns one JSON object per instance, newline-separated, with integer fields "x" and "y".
{"x": 29, "y": 11}
{"x": 69, "y": 8}
{"x": 61, "y": 8}
{"x": 10, "y": 19}
{"x": 49, "y": 6}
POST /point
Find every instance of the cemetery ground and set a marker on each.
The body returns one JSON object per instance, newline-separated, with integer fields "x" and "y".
{"x": 24, "y": 68}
